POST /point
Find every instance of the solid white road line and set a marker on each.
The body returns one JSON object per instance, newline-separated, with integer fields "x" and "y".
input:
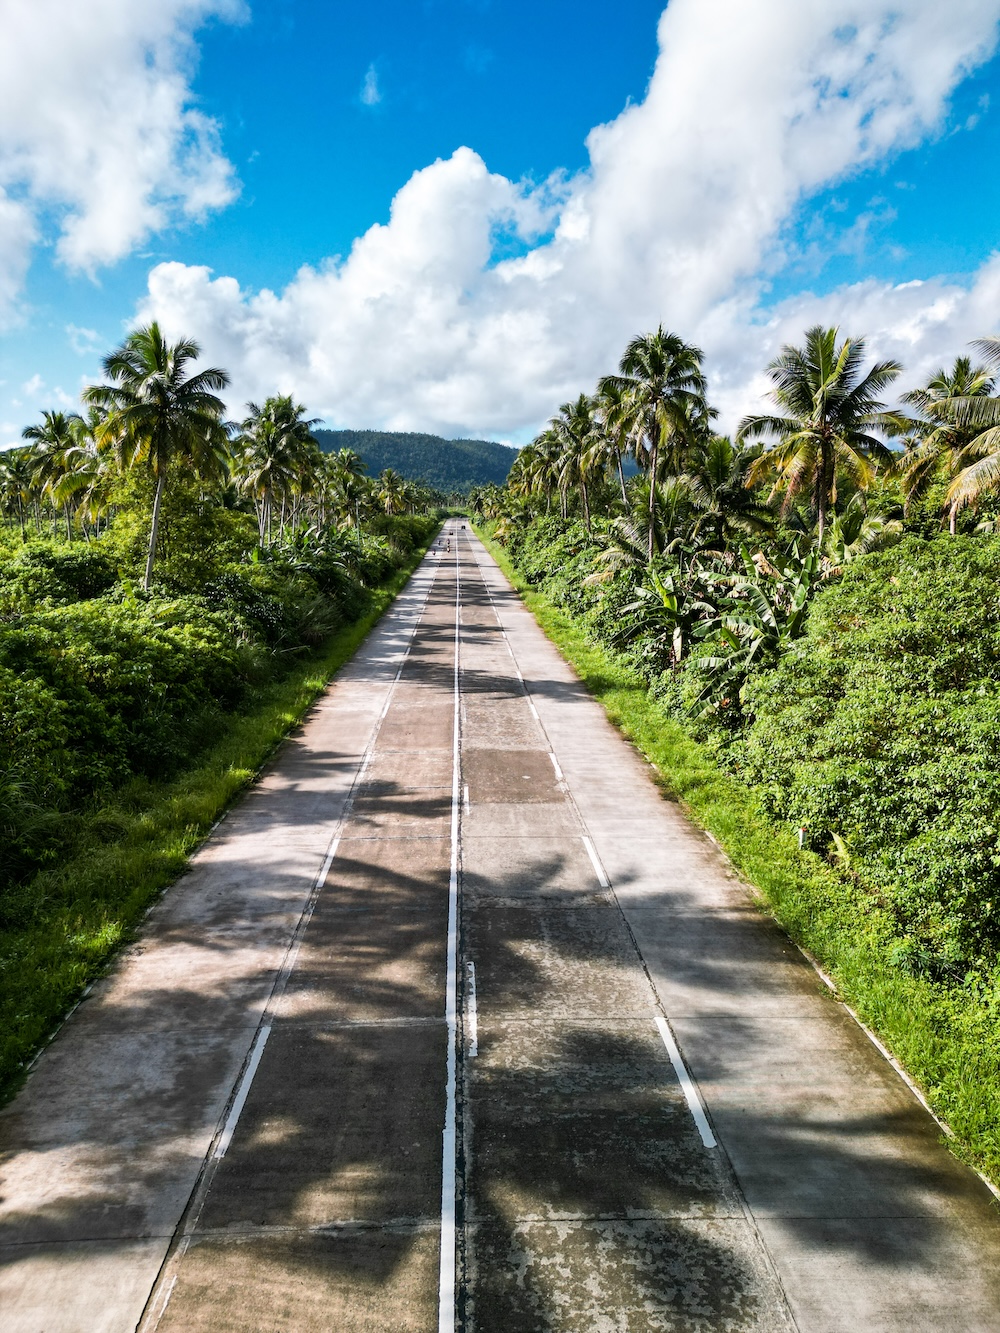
{"x": 555, "y": 765}
{"x": 687, "y": 1084}
{"x": 448, "y": 1263}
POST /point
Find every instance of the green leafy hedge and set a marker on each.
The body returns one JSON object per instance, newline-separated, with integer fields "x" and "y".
{"x": 101, "y": 685}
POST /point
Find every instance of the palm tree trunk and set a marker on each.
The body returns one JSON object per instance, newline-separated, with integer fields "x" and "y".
{"x": 822, "y": 498}
{"x": 654, "y": 450}
{"x": 586, "y": 504}
{"x": 621, "y": 477}
{"x": 154, "y": 528}
{"x": 69, "y": 526}
{"x": 952, "y": 520}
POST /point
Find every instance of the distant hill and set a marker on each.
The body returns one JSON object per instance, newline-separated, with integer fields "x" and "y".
{"x": 447, "y": 465}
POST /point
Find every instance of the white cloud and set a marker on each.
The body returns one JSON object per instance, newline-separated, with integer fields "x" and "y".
{"x": 753, "y": 105}
{"x": 82, "y": 341}
{"x": 99, "y": 137}
{"x": 370, "y": 94}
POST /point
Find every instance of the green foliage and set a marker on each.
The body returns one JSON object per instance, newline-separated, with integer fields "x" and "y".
{"x": 60, "y": 926}
{"x": 448, "y": 465}
{"x": 942, "y": 1027}
{"x": 102, "y": 684}
{"x": 878, "y": 731}
{"x": 42, "y": 572}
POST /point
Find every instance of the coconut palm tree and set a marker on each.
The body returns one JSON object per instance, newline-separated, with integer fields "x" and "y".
{"x": 392, "y": 492}
{"x": 941, "y": 442}
{"x": 978, "y": 461}
{"x": 160, "y": 415}
{"x": 51, "y": 443}
{"x": 831, "y": 408}
{"x": 725, "y": 509}
{"x": 16, "y": 481}
{"x": 662, "y": 390}
{"x": 612, "y": 408}
{"x": 275, "y": 456}
{"x": 573, "y": 429}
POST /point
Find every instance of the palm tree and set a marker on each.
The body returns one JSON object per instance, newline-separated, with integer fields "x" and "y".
{"x": 16, "y": 480}
{"x": 573, "y": 430}
{"x": 160, "y": 415}
{"x": 662, "y": 390}
{"x": 392, "y": 492}
{"x": 275, "y": 455}
{"x": 978, "y": 461}
{"x": 612, "y": 406}
{"x": 941, "y": 442}
{"x": 716, "y": 485}
{"x": 830, "y": 410}
{"x": 52, "y": 441}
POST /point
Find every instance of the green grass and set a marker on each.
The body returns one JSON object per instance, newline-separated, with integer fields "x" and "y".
{"x": 945, "y": 1037}
{"x": 136, "y": 846}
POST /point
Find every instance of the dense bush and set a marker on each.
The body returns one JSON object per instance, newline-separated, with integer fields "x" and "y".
{"x": 101, "y": 684}
{"x": 877, "y": 731}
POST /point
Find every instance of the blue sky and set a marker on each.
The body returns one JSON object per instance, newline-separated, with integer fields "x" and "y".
{"x": 319, "y": 114}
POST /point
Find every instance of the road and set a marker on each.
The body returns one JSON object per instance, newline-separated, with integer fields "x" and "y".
{"x": 456, "y": 1023}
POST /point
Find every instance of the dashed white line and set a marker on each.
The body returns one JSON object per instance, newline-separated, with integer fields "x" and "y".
{"x": 595, "y": 861}
{"x": 687, "y": 1084}
{"x": 555, "y": 765}
{"x": 235, "y": 1111}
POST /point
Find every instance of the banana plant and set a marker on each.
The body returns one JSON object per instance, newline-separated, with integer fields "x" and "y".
{"x": 763, "y": 613}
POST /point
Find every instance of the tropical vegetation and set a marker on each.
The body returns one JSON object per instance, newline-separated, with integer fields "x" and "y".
{"x": 166, "y": 576}
{"x": 811, "y": 607}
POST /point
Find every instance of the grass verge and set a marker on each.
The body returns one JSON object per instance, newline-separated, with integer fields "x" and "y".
{"x": 945, "y": 1037}
{"x": 137, "y": 845}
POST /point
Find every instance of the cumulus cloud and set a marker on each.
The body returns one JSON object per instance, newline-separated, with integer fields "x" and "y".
{"x": 100, "y": 141}
{"x": 370, "y": 93}
{"x": 680, "y": 217}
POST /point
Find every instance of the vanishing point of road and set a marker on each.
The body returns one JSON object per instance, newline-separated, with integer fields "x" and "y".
{"x": 456, "y": 1023}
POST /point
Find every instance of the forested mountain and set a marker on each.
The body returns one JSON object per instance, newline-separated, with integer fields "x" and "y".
{"x": 448, "y": 465}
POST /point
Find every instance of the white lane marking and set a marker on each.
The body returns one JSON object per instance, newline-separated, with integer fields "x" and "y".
{"x": 473, "y": 1013}
{"x": 167, "y": 1277}
{"x": 595, "y": 861}
{"x": 466, "y": 797}
{"x": 256, "y": 1051}
{"x": 449, "y": 1254}
{"x": 687, "y": 1085}
{"x": 555, "y": 765}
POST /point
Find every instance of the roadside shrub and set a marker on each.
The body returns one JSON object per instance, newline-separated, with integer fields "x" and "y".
{"x": 879, "y": 731}
{"x": 42, "y": 572}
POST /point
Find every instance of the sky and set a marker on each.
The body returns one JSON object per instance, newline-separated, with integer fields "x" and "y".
{"x": 452, "y": 215}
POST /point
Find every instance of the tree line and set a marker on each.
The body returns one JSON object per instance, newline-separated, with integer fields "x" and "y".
{"x": 154, "y": 415}
{"x": 727, "y": 537}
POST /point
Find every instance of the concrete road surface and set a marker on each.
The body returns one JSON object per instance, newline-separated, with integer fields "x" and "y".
{"x": 456, "y": 1023}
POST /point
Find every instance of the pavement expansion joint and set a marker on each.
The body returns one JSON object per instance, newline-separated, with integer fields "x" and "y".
{"x": 243, "y": 1231}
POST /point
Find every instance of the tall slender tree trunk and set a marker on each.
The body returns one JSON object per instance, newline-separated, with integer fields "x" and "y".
{"x": 654, "y": 459}
{"x": 621, "y": 476}
{"x": 154, "y": 529}
{"x": 69, "y": 525}
{"x": 952, "y": 520}
{"x": 586, "y": 503}
{"x": 822, "y": 499}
